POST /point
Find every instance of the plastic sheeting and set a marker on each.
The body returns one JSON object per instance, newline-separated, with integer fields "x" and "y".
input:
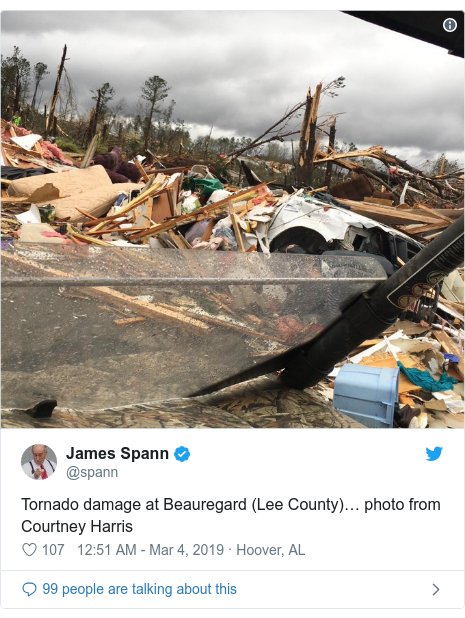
{"x": 96, "y": 327}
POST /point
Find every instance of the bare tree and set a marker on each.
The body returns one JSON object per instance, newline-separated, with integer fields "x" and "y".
{"x": 155, "y": 89}
{"x": 280, "y": 129}
{"x": 40, "y": 71}
{"x": 103, "y": 95}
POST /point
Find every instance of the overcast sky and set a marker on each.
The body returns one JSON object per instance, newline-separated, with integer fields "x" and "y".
{"x": 240, "y": 71}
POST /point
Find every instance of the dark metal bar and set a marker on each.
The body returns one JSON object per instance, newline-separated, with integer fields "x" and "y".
{"x": 365, "y": 318}
{"x": 157, "y": 282}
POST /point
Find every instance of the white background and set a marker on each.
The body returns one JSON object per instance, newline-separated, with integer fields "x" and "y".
{"x": 230, "y": 464}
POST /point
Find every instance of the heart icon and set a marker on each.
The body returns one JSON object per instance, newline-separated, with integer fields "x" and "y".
{"x": 29, "y": 548}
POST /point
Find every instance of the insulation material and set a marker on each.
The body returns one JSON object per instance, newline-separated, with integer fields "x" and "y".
{"x": 49, "y": 150}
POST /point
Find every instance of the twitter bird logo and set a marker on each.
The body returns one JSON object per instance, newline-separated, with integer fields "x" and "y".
{"x": 433, "y": 455}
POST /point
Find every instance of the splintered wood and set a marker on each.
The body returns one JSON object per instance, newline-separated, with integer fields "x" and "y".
{"x": 114, "y": 297}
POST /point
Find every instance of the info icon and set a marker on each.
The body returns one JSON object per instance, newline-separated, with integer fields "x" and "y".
{"x": 450, "y": 25}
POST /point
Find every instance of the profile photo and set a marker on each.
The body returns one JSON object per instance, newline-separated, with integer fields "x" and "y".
{"x": 39, "y": 462}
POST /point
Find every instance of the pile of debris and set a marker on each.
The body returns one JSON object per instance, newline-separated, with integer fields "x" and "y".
{"x": 434, "y": 353}
{"x": 108, "y": 201}
{"x": 85, "y": 206}
{"x": 21, "y": 147}
{"x": 420, "y": 221}
{"x": 404, "y": 183}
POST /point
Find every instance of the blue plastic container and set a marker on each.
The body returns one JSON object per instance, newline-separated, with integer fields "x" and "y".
{"x": 367, "y": 394}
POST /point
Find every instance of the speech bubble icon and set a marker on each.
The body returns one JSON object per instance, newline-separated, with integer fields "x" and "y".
{"x": 29, "y": 588}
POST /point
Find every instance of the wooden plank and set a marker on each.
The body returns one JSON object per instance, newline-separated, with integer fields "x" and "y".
{"x": 93, "y": 241}
{"x": 432, "y": 213}
{"x": 429, "y": 237}
{"x": 18, "y": 149}
{"x": 154, "y": 190}
{"x": 103, "y": 219}
{"x": 236, "y": 228}
{"x": 7, "y": 158}
{"x": 320, "y": 189}
{"x": 369, "y": 342}
{"x": 455, "y": 312}
{"x": 226, "y": 323}
{"x": 422, "y": 229}
{"x": 186, "y": 243}
{"x": 450, "y": 347}
{"x": 457, "y": 306}
{"x": 76, "y": 241}
{"x": 38, "y": 149}
{"x": 146, "y": 309}
{"x": 114, "y": 297}
{"x": 201, "y": 212}
{"x": 86, "y": 214}
{"x": 49, "y": 164}
{"x": 208, "y": 230}
{"x": 378, "y": 200}
{"x": 170, "y": 170}
{"x": 387, "y": 214}
{"x": 178, "y": 206}
{"x": 123, "y": 321}
{"x": 149, "y": 208}
{"x": 118, "y": 229}
{"x": 90, "y": 152}
{"x": 177, "y": 241}
{"x": 143, "y": 173}
{"x": 173, "y": 193}
{"x": 452, "y": 213}
{"x": 214, "y": 297}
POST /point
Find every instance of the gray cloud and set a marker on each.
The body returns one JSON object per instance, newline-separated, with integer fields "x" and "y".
{"x": 240, "y": 71}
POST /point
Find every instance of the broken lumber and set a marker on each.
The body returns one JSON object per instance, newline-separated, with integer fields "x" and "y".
{"x": 113, "y": 297}
{"x": 431, "y": 212}
{"x": 236, "y": 228}
{"x": 422, "y": 229}
{"x": 155, "y": 189}
{"x": 123, "y": 321}
{"x": 143, "y": 173}
{"x": 90, "y": 152}
{"x": 387, "y": 214}
{"x": 377, "y": 200}
{"x": 226, "y": 323}
{"x": 199, "y": 213}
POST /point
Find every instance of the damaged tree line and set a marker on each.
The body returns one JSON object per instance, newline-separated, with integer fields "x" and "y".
{"x": 316, "y": 158}
{"x": 445, "y": 186}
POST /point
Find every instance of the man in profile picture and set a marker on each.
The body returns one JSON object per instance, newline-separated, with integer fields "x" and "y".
{"x": 39, "y": 467}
